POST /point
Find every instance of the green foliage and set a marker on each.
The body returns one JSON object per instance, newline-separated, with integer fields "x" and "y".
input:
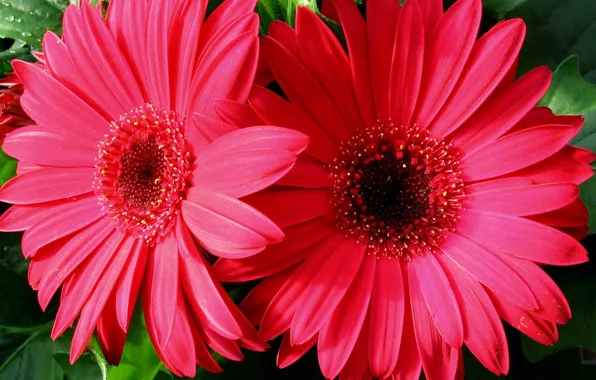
{"x": 8, "y": 167}
{"x": 139, "y": 360}
{"x": 555, "y": 30}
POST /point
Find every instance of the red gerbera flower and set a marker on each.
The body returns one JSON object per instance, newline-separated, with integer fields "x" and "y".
{"x": 125, "y": 166}
{"x": 429, "y": 195}
{"x": 12, "y": 115}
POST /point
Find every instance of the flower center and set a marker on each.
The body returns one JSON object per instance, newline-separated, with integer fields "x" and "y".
{"x": 142, "y": 171}
{"x": 397, "y": 188}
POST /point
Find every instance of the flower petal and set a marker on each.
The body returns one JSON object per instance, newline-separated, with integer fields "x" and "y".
{"x": 48, "y": 185}
{"x": 512, "y": 235}
{"x": 339, "y": 335}
{"x": 438, "y": 297}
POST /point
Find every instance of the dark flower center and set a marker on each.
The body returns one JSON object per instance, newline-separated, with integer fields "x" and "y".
{"x": 142, "y": 171}
{"x": 396, "y": 188}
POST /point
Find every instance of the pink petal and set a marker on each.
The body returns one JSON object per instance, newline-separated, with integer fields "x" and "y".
{"x": 438, "y": 296}
{"x": 490, "y": 59}
{"x": 298, "y": 244}
{"x": 409, "y": 363}
{"x": 339, "y": 335}
{"x": 543, "y": 332}
{"x": 485, "y": 336}
{"x": 110, "y": 335}
{"x": 502, "y": 112}
{"x": 280, "y": 312}
{"x": 386, "y": 318}
{"x": 552, "y": 303}
{"x": 48, "y": 185}
{"x": 248, "y": 160}
{"x": 179, "y": 352}
{"x": 505, "y": 234}
{"x": 497, "y": 184}
{"x": 357, "y": 367}
{"x": 54, "y": 269}
{"x": 157, "y": 56}
{"x": 449, "y": 44}
{"x": 432, "y": 10}
{"x": 439, "y": 359}
{"x": 225, "y": 70}
{"x": 161, "y": 290}
{"x": 285, "y": 35}
{"x": 227, "y": 226}
{"x": 80, "y": 214}
{"x": 253, "y": 306}
{"x": 276, "y": 111}
{"x": 287, "y": 207}
{"x": 223, "y": 15}
{"x": 227, "y": 348}
{"x": 406, "y": 64}
{"x": 183, "y": 42}
{"x": 572, "y": 215}
{"x": 202, "y": 292}
{"x": 324, "y": 292}
{"x": 288, "y": 354}
{"x": 307, "y": 173}
{"x": 23, "y": 217}
{"x": 129, "y": 284}
{"x": 112, "y": 69}
{"x": 355, "y": 30}
{"x": 381, "y": 17}
{"x": 238, "y": 114}
{"x": 97, "y": 301}
{"x": 44, "y": 147}
{"x": 74, "y": 117}
{"x": 560, "y": 167}
{"x": 303, "y": 89}
{"x": 496, "y": 159}
{"x": 326, "y": 60}
{"x": 489, "y": 269}
{"x": 202, "y": 353}
{"x": 524, "y": 200}
{"x": 84, "y": 279}
{"x": 203, "y": 130}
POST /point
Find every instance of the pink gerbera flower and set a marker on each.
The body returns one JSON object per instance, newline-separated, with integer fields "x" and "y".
{"x": 125, "y": 168}
{"x": 429, "y": 196}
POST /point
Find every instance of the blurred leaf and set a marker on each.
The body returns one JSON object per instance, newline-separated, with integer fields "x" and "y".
{"x": 8, "y": 167}
{"x": 32, "y": 359}
{"x": 17, "y": 50}
{"x": 562, "y": 365}
{"x": 569, "y": 93}
{"x": 578, "y": 283}
{"x": 27, "y": 21}
{"x": 139, "y": 360}
{"x": 501, "y": 7}
{"x": 555, "y": 30}
{"x": 90, "y": 366}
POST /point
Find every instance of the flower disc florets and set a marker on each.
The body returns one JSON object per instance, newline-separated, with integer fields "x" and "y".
{"x": 142, "y": 171}
{"x": 397, "y": 188}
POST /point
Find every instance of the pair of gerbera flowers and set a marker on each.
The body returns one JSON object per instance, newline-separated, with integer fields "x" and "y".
{"x": 411, "y": 186}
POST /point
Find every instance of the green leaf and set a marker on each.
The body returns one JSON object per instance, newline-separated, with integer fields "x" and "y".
{"x": 27, "y": 21}
{"x": 285, "y": 10}
{"x": 90, "y": 366}
{"x": 17, "y": 50}
{"x": 32, "y": 359}
{"x": 578, "y": 283}
{"x": 8, "y": 167}
{"x": 139, "y": 360}
{"x": 555, "y": 30}
{"x": 569, "y": 93}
